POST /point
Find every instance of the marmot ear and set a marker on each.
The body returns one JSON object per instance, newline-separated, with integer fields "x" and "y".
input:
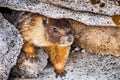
{"x": 44, "y": 21}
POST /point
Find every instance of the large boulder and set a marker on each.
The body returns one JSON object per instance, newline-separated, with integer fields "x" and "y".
{"x": 73, "y": 9}
{"x": 10, "y": 46}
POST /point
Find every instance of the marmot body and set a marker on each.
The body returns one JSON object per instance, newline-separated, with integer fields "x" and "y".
{"x": 97, "y": 39}
{"x": 54, "y": 34}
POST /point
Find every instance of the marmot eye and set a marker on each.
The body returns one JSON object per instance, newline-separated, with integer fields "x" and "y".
{"x": 55, "y": 29}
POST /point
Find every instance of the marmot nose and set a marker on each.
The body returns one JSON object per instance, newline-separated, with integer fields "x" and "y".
{"x": 70, "y": 38}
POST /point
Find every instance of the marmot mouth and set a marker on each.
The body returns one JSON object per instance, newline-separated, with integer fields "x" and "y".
{"x": 65, "y": 44}
{"x": 66, "y": 40}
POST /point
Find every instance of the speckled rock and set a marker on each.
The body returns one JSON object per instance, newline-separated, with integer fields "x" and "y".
{"x": 108, "y": 7}
{"x": 10, "y": 46}
{"x": 85, "y": 66}
{"x": 66, "y": 11}
{"x": 30, "y": 67}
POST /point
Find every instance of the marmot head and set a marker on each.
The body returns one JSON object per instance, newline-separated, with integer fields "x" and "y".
{"x": 59, "y": 31}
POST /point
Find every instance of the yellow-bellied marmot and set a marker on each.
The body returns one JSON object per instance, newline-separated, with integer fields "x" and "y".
{"x": 54, "y": 34}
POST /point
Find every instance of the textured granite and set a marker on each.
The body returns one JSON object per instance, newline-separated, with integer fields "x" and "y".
{"x": 85, "y": 66}
{"x": 54, "y": 11}
{"x": 28, "y": 67}
{"x": 10, "y": 46}
{"x": 108, "y": 7}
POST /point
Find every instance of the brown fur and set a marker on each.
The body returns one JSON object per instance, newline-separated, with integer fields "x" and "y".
{"x": 97, "y": 39}
{"x": 54, "y": 34}
{"x": 60, "y": 58}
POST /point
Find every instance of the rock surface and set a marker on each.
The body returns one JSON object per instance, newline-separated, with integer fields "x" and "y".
{"x": 108, "y": 7}
{"x": 66, "y": 11}
{"x": 10, "y": 46}
{"x": 85, "y": 66}
{"x": 28, "y": 67}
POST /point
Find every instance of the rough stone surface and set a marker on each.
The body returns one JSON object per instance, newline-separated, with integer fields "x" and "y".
{"x": 110, "y": 7}
{"x": 30, "y": 67}
{"x": 10, "y": 46}
{"x": 54, "y": 11}
{"x": 85, "y": 66}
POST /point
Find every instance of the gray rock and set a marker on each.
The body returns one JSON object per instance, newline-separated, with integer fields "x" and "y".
{"x": 85, "y": 66}
{"x": 52, "y": 9}
{"x": 10, "y": 46}
{"x": 108, "y": 7}
{"x": 27, "y": 67}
